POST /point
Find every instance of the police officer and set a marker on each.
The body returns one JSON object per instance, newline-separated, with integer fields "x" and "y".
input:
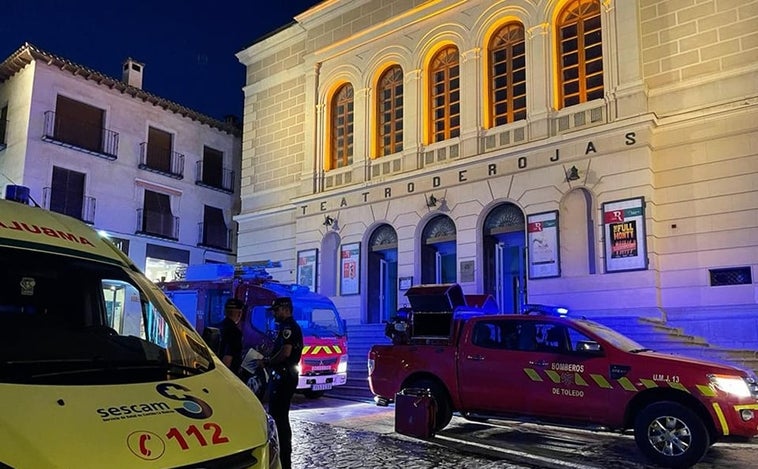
{"x": 231, "y": 335}
{"x": 283, "y": 364}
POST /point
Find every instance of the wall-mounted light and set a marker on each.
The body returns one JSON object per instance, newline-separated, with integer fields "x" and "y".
{"x": 572, "y": 174}
{"x": 431, "y": 201}
{"x": 332, "y": 222}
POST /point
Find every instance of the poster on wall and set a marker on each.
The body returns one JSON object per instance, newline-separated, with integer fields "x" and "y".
{"x": 544, "y": 253}
{"x": 307, "y": 264}
{"x": 350, "y": 260}
{"x": 624, "y": 229}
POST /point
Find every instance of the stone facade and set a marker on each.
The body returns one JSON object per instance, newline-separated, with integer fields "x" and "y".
{"x": 115, "y": 174}
{"x": 674, "y": 133}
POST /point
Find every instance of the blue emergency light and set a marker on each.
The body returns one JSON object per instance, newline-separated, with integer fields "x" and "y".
{"x": 16, "y": 193}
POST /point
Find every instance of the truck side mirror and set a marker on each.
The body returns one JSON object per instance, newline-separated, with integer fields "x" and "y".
{"x": 588, "y": 346}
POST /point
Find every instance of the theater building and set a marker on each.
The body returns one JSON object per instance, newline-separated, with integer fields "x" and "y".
{"x": 596, "y": 154}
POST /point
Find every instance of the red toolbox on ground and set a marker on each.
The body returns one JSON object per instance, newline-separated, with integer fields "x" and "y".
{"x": 415, "y": 411}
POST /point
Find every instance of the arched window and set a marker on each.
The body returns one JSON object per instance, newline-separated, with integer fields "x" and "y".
{"x": 445, "y": 95}
{"x": 580, "y": 48}
{"x": 342, "y": 127}
{"x": 507, "y": 56}
{"x": 389, "y": 111}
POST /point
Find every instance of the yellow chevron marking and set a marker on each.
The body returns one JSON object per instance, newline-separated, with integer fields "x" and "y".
{"x": 579, "y": 380}
{"x": 678, "y": 386}
{"x": 722, "y": 419}
{"x": 532, "y": 374}
{"x": 648, "y": 383}
{"x": 337, "y": 349}
{"x": 626, "y": 384}
{"x": 316, "y": 349}
{"x": 306, "y": 349}
{"x": 554, "y": 377}
{"x": 746, "y": 407}
{"x": 706, "y": 391}
{"x": 601, "y": 381}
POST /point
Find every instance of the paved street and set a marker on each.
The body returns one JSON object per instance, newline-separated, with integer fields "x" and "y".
{"x": 340, "y": 433}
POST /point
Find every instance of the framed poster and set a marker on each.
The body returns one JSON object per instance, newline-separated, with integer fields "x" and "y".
{"x": 624, "y": 235}
{"x": 350, "y": 261}
{"x": 544, "y": 251}
{"x": 307, "y": 268}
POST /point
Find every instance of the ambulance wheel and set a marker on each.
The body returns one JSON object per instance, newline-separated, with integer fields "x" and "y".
{"x": 444, "y": 407}
{"x": 310, "y": 394}
{"x": 671, "y": 435}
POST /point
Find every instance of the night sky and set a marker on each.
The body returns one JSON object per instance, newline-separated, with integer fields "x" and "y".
{"x": 188, "y": 46}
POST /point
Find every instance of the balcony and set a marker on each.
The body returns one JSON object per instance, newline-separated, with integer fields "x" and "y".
{"x": 157, "y": 224}
{"x": 83, "y": 209}
{"x": 220, "y": 179}
{"x": 81, "y": 136}
{"x": 161, "y": 161}
{"x": 214, "y": 237}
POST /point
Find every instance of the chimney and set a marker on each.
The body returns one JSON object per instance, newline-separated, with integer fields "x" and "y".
{"x": 132, "y": 73}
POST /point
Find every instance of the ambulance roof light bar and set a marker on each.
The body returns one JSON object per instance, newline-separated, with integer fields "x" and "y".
{"x": 17, "y": 193}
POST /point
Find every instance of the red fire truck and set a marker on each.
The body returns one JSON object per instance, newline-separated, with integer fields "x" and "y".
{"x": 201, "y": 295}
{"x": 545, "y": 366}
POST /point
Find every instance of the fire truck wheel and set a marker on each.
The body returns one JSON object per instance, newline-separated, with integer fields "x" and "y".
{"x": 671, "y": 435}
{"x": 444, "y": 407}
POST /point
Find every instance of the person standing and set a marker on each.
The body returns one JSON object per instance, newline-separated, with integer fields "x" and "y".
{"x": 231, "y": 335}
{"x": 283, "y": 364}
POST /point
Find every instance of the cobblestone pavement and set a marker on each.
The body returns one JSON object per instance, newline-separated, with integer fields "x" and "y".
{"x": 342, "y": 433}
{"x": 320, "y": 445}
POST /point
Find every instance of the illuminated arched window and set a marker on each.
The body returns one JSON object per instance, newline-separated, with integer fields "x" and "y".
{"x": 445, "y": 94}
{"x": 342, "y": 127}
{"x": 389, "y": 112}
{"x": 580, "y": 48}
{"x": 507, "y": 55}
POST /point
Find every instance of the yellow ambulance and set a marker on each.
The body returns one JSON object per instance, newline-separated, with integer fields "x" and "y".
{"x": 98, "y": 369}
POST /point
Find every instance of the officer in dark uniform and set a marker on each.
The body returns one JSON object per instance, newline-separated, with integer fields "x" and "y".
{"x": 231, "y": 335}
{"x": 283, "y": 364}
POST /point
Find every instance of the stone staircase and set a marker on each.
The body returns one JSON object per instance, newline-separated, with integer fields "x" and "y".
{"x": 360, "y": 338}
{"x": 656, "y": 335}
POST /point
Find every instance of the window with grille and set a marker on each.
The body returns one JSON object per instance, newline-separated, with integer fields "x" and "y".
{"x": 507, "y": 65}
{"x": 78, "y": 124}
{"x": 67, "y": 192}
{"x": 159, "y": 144}
{"x": 730, "y": 276}
{"x": 213, "y": 167}
{"x": 390, "y": 111}
{"x": 214, "y": 233}
{"x": 157, "y": 218}
{"x": 445, "y": 95}
{"x": 342, "y": 127}
{"x": 580, "y": 50}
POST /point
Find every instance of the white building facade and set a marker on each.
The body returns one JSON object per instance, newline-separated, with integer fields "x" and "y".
{"x": 160, "y": 179}
{"x": 596, "y": 154}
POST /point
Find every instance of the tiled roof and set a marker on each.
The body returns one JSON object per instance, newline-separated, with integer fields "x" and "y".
{"x": 28, "y": 53}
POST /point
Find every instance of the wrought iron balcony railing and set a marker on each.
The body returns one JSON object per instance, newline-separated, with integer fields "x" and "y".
{"x": 81, "y": 136}
{"x": 214, "y": 236}
{"x": 83, "y": 209}
{"x": 221, "y": 179}
{"x": 161, "y": 160}
{"x": 158, "y": 224}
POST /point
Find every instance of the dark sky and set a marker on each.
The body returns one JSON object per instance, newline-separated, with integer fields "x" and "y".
{"x": 188, "y": 46}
